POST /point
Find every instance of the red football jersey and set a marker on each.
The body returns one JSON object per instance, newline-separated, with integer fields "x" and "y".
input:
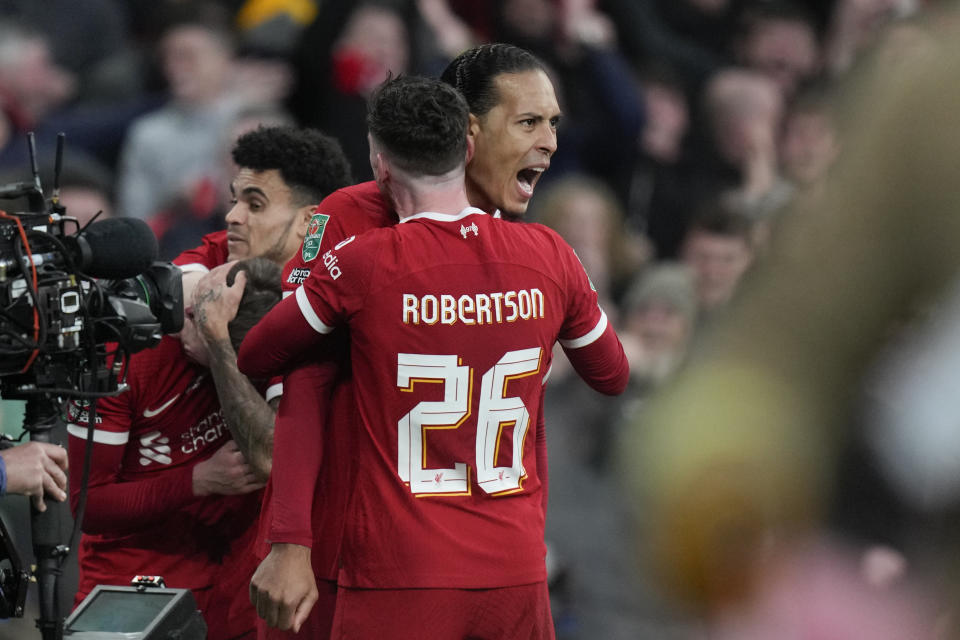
{"x": 452, "y": 320}
{"x": 141, "y": 516}
{"x": 346, "y": 212}
{"x": 310, "y": 467}
{"x": 212, "y": 252}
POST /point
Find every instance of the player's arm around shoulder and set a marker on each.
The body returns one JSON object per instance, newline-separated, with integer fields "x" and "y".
{"x": 247, "y": 413}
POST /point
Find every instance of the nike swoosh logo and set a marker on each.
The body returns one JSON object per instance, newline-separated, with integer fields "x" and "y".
{"x": 149, "y": 413}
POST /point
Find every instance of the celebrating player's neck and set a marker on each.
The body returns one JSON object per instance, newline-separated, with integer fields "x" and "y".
{"x": 412, "y": 194}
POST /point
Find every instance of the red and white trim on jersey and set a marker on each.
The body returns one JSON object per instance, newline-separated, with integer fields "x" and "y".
{"x": 274, "y": 391}
{"x": 99, "y": 435}
{"x": 589, "y": 338}
{"x": 309, "y": 314}
{"x": 444, "y": 217}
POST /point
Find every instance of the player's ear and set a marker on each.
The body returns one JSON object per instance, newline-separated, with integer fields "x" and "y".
{"x": 382, "y": 168}
{"x": 473, "y": 129}
{"x": 303, "y": 216}
{"x": 471, "y": 147}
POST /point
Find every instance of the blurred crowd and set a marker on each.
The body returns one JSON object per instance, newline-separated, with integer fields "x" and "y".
{"x": 689, "y": 127}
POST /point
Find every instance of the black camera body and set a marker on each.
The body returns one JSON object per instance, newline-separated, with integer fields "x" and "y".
{"x": 74, "y": 304}
{"x": 60, "y": 328}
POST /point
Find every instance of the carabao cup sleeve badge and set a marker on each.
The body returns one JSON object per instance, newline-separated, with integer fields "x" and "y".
{"x": 311, "y": 242}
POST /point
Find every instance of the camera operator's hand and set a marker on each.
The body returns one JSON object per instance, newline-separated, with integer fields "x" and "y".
{"x": 215, "y": 303}
{"x": 225, "y": 473}
{"x": 283, "y": 588}
{"x": 35, "y": 469}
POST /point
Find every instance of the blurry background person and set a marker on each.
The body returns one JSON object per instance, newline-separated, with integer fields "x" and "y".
{"x": 779, "y": 39}
{"x": 347, "y": 51}
{"x": 166, "y": 150}
{"x": 856, "y": 25}
{"x": 743, "y": 110}
{"x": 585, "y": 212}
{"x": 90, "y": 39}
{"x": 86, "y": 191}
{"x": 653, "y": 188}
{"x": 657, "y": 323}
{"x": 32, "y": 87}
{"x": 809, "y": 141}
{"x": 718, "y": 249}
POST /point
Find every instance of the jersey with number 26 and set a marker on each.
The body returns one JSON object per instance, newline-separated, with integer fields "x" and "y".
{"x": 452, "y": 322}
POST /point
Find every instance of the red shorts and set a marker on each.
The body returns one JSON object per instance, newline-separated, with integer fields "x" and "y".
{"x": 505, "y": 613}
{"x": 316, "y": 626}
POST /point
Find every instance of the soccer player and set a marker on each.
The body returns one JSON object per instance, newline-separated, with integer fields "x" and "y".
{"x": 452, "y": 315}
{"x": 169, "y": 492}
{"x": 283, "y": 172}
{"x": 514, "y": 115}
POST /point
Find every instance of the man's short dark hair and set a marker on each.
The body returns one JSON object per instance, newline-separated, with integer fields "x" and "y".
{"x": 310, "y": 162}
{"x": 262, "y": 291}
{"x": 473, "y": 72}
{"x": 716, "y": 219}
{"x": 421, "y": 124}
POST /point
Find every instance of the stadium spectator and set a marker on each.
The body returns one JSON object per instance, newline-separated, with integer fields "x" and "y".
{"x": 779, "y": 39}
{"x": 587, "y": 215}
{"x": 347, "y": 51}
{"x": 166, "y": 150}
{"x": 718, "y": 249}
{"x": 659, "y": 317}
{"x": 809, "y": 142}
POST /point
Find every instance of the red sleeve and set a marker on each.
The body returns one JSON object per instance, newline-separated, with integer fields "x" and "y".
{"x": 278, "y": 342}
{"x": 298, "y": 451}
{"x": 541, "y": 457}
{"x": 211, "y": 253}
{"x": 602, "y": 363}
{"x": 121, "y": 507}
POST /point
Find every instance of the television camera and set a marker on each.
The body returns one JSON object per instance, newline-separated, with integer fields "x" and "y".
{"x": 74, "y": 304}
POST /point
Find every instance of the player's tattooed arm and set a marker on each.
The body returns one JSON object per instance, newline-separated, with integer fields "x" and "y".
{"x": 248, "y": 416}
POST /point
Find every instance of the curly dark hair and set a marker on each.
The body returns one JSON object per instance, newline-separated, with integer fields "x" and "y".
{"x": 260, "y": 293}
{"x": 473, "y": 72}
{"x": 310, "y": 162}
{"x": 421, "y": 123}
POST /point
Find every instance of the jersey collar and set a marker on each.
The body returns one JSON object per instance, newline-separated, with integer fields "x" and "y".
{"x": 444, "y": 217}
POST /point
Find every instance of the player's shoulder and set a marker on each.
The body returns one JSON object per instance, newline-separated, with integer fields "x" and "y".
{"x": 149, "y": 374}
{"x": 211, "y": 252}
{"x": 362, "y": 198}
{"x": 535, "y": 229}
{"x": 532, "y": 232}
{"x": 366, "y": 241}
{"x": 150, "y": 364}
